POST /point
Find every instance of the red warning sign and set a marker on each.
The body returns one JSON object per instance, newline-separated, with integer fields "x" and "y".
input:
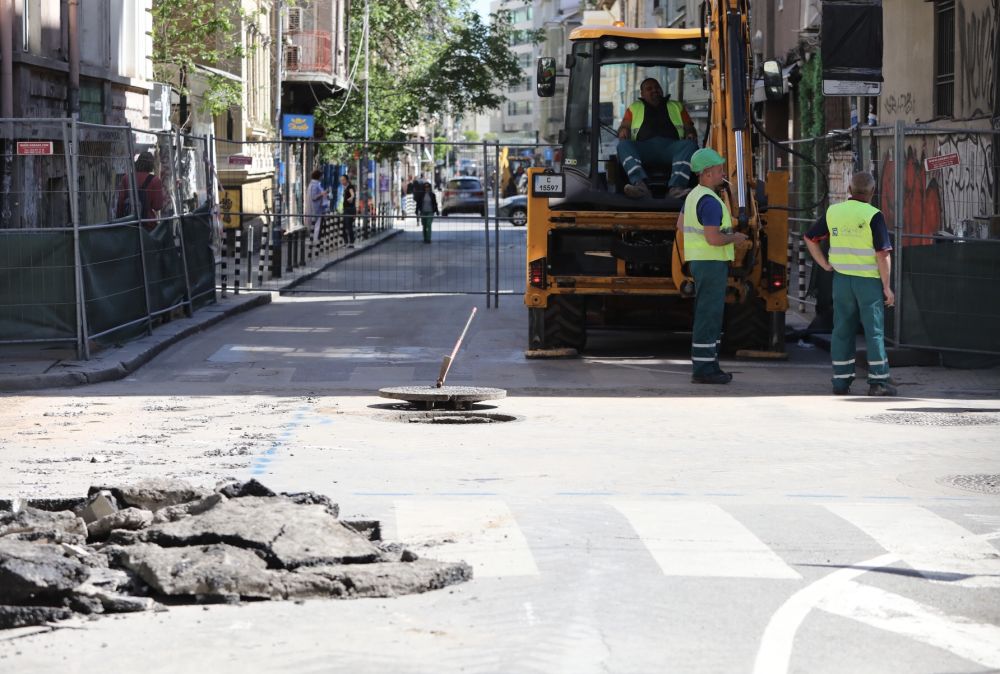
{"x": 34, "y": 147}
{"x": 939, "y": 162}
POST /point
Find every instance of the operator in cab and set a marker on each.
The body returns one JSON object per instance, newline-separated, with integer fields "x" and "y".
{"x": 656, "y": 131}
{"x": 708, "y": 250}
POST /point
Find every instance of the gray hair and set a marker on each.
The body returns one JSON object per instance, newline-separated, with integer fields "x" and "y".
{"x": 862, "y": 182}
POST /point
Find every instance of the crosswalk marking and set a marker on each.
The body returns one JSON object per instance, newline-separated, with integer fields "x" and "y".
{"x": 701, "y": 539}
{"x": 935, "y": 547}
{"x": 481, "y": 532}
{"x": 973, "y": 641}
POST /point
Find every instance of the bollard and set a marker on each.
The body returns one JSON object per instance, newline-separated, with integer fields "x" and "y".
{"x": 261, "y": 255}
{"x": 224, "y": 267}
{"x": 277, "y": 241}
{"x": 237, "y": 250}
{"x": 303, "y": 235}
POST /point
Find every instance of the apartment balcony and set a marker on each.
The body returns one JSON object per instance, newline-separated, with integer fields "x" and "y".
{"x": 309, "y": 57}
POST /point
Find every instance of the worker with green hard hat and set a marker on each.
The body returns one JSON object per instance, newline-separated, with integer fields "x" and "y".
{"x": 708, "y": 250}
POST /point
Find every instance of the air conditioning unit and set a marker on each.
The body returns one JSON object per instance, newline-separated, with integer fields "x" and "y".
{"x": 812, "y": 14}
{"x": 292, "y": 57}
{"x": 293, "y": 19}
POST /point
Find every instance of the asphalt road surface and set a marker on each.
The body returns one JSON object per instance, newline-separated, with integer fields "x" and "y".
{"x": 624, "y": 521}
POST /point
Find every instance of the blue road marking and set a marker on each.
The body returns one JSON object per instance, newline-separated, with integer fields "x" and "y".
{"x": 263, "y": 461}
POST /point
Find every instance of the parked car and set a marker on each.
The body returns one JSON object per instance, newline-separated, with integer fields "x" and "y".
{"x": 463, "y": 195}
{"x": 515, "y": 208}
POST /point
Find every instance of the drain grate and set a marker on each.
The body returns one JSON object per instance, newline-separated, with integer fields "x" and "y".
{"x": 981, "y": 483}
{"x": 445, "y": 417}
{"x": 958, "y": 417}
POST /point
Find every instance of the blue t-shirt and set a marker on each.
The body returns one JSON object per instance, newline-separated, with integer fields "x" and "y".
{"x": 709, "y": 212}
{"x": 880, "y": 233}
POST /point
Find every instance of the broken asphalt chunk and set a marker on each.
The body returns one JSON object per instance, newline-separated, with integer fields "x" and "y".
{"x": 286, "y": 534}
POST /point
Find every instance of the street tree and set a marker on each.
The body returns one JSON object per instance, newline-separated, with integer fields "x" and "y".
{"x": 425, "y": 62}
{"x": 189, "y": 33}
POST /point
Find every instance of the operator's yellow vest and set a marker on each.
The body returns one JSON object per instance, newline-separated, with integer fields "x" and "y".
{"x": 852, "y": 250}
{"x": 674, "y": 110}
{"x": 695, "y": 245}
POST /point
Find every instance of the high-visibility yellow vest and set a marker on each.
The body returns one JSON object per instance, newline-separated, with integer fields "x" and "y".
{"x": 852, "y": 250}
{"x": 695, "y": 245}
{"x": 674, "y": 110}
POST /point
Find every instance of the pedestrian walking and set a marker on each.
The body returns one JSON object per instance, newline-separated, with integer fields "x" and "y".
{"x": 317, "y": 201}
{"x": 427, "y": 209}
{"x": 350, "y": 209}
{"x": 860, "y": 261}
{"x": 708, "y": 249}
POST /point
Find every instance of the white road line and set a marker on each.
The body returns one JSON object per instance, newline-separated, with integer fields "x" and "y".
{"x": 775, "y": 650}
{"x": 482, "y": 532}
{"x": 935, "y": 547}
{"x": 701, "y": 539}
{"x": 965, "y": 638}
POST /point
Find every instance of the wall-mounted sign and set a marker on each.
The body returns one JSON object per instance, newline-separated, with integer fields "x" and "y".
{"x": 851, "y": 88}
{"x": 297, "y": 126}
{"x": 941, "y": 161}
{"x": 241, "y": 159}
{"x": 34, "y": 147}
{"x": 230, "y": 205}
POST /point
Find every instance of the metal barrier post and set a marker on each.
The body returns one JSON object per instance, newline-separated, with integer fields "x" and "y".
{"x": 496, "y": 232}
{"x": 138, "y": 229}
{"x": 70, "y": 151}
{"x": 179, "y": 222}
{"x": 486, "y": 231}
{"x": 302, "y": 246}
{"x": 899, "y": 153}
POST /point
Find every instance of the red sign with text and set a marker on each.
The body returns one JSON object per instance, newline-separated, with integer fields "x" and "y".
{"x": 34, "y": 147}
{"x": 939, "y": 162}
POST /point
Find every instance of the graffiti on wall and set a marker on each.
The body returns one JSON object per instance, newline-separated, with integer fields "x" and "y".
{"x": 922, "y": 196}
{"x": 967, "y": 189}
{"x": 977, "y": 42}
{"x": 952, "y": 200}
{"x": 900, "y": 104}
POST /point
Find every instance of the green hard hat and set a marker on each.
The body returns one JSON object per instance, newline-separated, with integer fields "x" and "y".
{"x": 705, "y": 158}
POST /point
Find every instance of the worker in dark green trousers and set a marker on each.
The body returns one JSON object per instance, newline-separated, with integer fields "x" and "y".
{"x": 708, "y": 250}
{"x": 860, "y": 259}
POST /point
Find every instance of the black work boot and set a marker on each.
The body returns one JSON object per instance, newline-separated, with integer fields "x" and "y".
{"x": 713, "y": 378}
{"x": 882, "y": 390}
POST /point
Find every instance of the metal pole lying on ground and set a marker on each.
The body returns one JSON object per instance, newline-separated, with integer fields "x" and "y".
{"x": 446, "y": 363}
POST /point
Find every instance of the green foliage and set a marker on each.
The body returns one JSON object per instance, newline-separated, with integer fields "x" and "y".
{"x": 440, "y": 149}
{"x": 812, "y": 123}
{"x": 471, "y": 136}
{"x": 187, "y": 33}
{"x": 424, "y": 63}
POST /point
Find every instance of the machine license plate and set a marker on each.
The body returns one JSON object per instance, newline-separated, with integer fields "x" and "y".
{"x": 548, "y": 185}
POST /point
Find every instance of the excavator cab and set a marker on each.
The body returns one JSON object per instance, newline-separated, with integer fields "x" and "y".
{"x": 598, "y": 258}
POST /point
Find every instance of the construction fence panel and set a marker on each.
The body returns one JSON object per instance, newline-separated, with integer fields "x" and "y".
{"x": 937, "y": 189}
{"x": 80, "y": 263}
{"x": 282, "y": 242}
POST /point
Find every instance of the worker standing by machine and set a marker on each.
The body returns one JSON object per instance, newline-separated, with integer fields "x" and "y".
{"x": 860, "y": 259}
{"x": 708, "y": 250}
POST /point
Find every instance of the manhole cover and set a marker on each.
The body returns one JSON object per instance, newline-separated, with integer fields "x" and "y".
{"x": 455, "y": 397}
{"x": 445, "y": 417}
{"x": 982, "y": 483}
{"x": 959, "y": 417}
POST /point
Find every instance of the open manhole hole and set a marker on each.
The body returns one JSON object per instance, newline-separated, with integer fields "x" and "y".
{"x": 938, "y": 416}
{"x": 452, "y": 417}
{"x": 981, "y": 483}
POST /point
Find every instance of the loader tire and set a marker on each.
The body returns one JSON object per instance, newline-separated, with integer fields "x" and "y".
{"x": 746, "y": 326}
{"x": 560, "y": 325}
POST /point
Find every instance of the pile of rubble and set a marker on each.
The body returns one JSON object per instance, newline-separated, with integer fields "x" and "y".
{"x": 135, "y": 548}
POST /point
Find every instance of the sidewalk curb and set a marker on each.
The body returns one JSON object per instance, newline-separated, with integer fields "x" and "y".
{"x": 291, "y": 285}
{"x": 123, "y": 361}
